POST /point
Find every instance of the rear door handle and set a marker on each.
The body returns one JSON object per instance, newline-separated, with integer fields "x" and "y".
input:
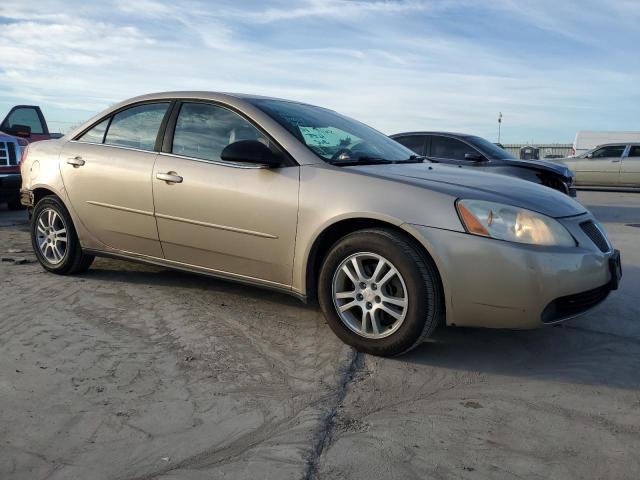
{"x": 169, "y": 177}
{"x": 75, "y": 161}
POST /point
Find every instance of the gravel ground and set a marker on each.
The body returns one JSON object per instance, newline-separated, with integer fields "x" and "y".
{"x": 132, "y": 372}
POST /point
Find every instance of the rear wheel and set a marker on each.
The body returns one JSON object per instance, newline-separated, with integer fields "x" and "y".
{"x": 54, "y": 239}
{"x": 379, "y": 292}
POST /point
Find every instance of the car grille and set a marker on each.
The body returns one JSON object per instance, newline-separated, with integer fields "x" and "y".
{"x": 595, "y": 235}
{"x": 571, "y": 305}
{"x": 8, "y": 157}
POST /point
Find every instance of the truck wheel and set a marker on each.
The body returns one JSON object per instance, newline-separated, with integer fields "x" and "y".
{"x": 54, "y": 239}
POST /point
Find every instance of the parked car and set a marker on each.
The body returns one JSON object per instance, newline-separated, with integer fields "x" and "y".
{"x": 475, "y": 152}
{"x": 306, "y": 201}
{"x": 611, "y": 165}
{"x": 587, "y": 141}
{"x": 10, "y": 180}
{"x": 23, "y": 124}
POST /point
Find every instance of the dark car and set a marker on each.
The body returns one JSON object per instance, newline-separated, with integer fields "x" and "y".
{"x": 476, "y": 152}
{"x": 10, "y": 179}
{"x": 23, "y": 124}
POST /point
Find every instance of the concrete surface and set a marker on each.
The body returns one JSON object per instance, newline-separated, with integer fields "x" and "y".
{"x": 132, "y": 372}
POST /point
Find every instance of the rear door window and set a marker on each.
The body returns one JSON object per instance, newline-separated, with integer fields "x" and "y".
{"x": 96, "y": 134}
{"x": 137, "y": 127}
{"x": 446, "y": 147}
{"x": 635, "y": 151}
{"x": 413, "y": 142}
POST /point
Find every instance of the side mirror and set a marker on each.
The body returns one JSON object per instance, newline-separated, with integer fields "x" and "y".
{"x": 250, "y": 151}
{"x": 474, "y": 157}
{"x": 589, "y": 155}
{"x": 16, "y": 130}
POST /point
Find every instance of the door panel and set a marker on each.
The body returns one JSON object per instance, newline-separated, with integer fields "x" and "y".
{"x": 237, "y": 220}
{"x": 603, "y": 168}
{"x": 111, "y": 193}
{"x": 630, "y": 169}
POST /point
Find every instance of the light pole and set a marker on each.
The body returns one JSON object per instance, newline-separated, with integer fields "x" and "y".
{"x": 499, "y": 124}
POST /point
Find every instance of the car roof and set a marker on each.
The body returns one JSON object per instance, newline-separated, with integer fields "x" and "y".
{"x": 450, "y": 134}
{"x": 234, "y": 99}
{"x": 204, "y": 95}
{"x": 615, "y": 144}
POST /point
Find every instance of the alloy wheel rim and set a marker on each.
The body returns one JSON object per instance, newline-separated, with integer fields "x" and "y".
{"x": 51, "y": 236}
{"x": 370, "y": 295}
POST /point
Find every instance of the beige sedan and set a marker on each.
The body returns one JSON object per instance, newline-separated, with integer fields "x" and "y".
{"x": 303, "y": 200}
{"x": 610, "y": 165}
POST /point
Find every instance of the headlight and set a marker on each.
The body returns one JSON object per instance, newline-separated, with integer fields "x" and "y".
{"x": 513, "y": 224}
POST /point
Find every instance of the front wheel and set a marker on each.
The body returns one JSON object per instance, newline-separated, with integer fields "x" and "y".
{"x": 379, "y": 292}
{"x": 54, "y": 239}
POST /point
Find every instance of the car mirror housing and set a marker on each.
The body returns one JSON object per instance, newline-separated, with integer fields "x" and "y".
{"x": 16, "y": 130}
{"x": 474, "y": 157}
{"x": 250, "y": 151}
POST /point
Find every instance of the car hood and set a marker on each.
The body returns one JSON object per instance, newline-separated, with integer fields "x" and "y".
{"x": 467, "y": 183}
{"x": 564, "y": 159}
{"x": 4, "y": 137}
{"x": 543, "y": 165}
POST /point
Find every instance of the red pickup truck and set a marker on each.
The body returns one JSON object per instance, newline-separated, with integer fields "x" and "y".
{"x": 22, "y": 125}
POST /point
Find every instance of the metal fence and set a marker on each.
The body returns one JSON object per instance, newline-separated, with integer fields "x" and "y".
{"x": 546, "y": 150}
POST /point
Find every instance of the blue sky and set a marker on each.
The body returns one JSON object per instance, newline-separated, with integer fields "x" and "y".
{"x": 551, "y": 67}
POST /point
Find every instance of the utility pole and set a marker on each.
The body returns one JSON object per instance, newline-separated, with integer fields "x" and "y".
{"x": 499, "y": 124}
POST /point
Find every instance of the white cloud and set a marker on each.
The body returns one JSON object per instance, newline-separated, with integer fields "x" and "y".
{"x": 146, "y": 8}
{"x": 327, "y": 9}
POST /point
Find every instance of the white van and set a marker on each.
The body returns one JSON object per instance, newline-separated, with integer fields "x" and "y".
{"x": 585, "y": 141}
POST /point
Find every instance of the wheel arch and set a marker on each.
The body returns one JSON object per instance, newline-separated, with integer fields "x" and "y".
{"x": 342, "y": 227}
{"x": 40, "y": 192}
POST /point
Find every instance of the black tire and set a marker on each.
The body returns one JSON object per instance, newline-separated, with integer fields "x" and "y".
{"x": 73, "y": 260}
{"x": 425, "y": 306}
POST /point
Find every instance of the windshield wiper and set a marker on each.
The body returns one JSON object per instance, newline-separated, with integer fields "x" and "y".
{"x": 367, "y": 160}
{"x": 413, "y": 159}
{"x": 364, "y": 160}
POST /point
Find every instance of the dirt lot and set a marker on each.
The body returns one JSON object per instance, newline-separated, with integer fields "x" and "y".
{"x": 132, "y": 372}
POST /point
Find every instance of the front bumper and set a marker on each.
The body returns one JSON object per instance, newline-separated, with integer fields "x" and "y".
{"x": 10, "y": 186}
{"x": 497, "y": 284}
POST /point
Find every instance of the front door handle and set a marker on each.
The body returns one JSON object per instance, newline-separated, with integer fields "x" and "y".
{"x": 75, "y": 161}
{"x": 615, "y": 160}
{"x": 169, "y": 177}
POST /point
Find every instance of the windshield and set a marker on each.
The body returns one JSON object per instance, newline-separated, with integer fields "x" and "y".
{"x": 333, "y": 137}
{"x": 488, "y": 148}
